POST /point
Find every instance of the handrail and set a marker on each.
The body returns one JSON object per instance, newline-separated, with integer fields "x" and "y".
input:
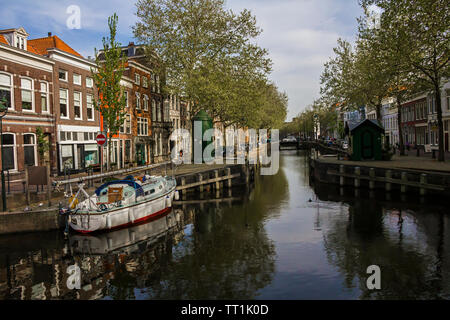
{"x": 107, "y": 174}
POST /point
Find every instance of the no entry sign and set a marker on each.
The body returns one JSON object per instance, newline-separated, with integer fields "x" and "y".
{"x": 101, "y": 139}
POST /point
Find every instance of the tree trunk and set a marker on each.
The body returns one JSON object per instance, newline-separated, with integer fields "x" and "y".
{"x": 108, "y": 163}
{"x": 378, "y": 111}
{"x": 437, "y": 95}
{"x": 400, "y": 131}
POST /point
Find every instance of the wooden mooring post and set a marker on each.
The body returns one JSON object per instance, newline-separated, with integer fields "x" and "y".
{"x": 388, "y": 177}
{"x": 200, "y": 179}
{"x": 404, "y": 181}
{"x": 341, "y": 178}
{"x": 372, "y": 178}
{"x": 357, "y": 179}
{"x": 423, "y": 181}
{"x": 229, "y": 179}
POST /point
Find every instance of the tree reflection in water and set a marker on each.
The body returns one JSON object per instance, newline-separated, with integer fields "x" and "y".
{"x": 400, "y": 237}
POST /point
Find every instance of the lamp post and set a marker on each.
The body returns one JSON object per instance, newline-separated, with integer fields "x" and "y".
{"x": 3, "y": 112}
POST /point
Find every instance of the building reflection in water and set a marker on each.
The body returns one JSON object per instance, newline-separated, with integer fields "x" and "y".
{"x": 193, "y": 252}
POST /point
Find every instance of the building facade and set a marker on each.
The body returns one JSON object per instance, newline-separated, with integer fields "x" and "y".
{"x": 77, "y": 121}
{"x": 26, "y": 87}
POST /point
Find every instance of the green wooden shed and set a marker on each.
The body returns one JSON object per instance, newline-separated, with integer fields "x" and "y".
{"x": 366, "y": 140}
{"x": 205, "y": 123}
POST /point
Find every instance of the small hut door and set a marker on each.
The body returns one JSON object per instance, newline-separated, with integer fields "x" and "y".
{"x": 367, "y": 145}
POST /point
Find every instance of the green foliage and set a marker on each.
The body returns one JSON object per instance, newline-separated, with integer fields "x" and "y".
{"x": 42, "y": 142}
{"x": 107, "y": 76}
{"x": 209, "y": 56}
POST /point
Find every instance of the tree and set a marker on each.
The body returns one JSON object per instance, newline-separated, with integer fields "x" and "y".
{"x": 207, "y": 54}
{"x": 422, "y": 39}
{"x": 109, "y": 70}
{"x": 42, "y": 142}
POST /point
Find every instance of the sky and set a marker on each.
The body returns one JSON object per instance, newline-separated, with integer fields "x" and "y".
{"x": 299, "y": 34}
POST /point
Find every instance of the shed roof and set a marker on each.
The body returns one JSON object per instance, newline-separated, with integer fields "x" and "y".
{"x": 354, "y": 125}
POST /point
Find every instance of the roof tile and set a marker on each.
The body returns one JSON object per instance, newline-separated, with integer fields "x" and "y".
{"x": 42, "y": 45}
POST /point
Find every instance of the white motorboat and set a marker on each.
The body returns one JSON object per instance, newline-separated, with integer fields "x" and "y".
{"x": 121, "y": 203}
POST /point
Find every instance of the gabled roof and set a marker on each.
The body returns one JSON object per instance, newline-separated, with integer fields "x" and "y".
{"x": 354, "y": 125}
{"x": 41, "y": 45}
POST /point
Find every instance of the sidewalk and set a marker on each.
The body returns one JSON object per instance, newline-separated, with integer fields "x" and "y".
{"x": 410, "y": 162}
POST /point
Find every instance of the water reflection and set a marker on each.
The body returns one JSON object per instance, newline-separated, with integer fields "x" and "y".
{"x": 280, "y": 239}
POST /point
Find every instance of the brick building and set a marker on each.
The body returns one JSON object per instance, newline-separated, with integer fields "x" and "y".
{"x": 26, "y": 85}
{"x": 77, "y": 121}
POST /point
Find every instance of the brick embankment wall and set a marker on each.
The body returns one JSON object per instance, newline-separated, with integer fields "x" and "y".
{"x": 42, "y": 220}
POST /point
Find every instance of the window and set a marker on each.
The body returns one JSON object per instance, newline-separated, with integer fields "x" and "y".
{"x": 44, "y": 97}
{"x": 77, "y": 79}
{"x": 153, "y": 110}
{"x": 158, "y": 85}
{"x": 145, "y": 102}
{"x": 6, "y": 90}
{"x": 9, "y": 151}
{"x": 137, "y": 79}
{"x": 77, "y": 105}
{"x": 128, "y": 123}
{"x": 142, "y": 129}
{"x": 63, "y": 106}
{"x": 127, "y": 150}
{"x": 29, "y": 149}
{"x": 90, "y": 106}
{"x": 159, "y": 116}
{"x": 26, "y": 88}
{"x": 153, "y": 82}
{"x": 89, "y": 82}
{"x": 62, "y": 74}
{"x": 145, "y": 82}
{"x": 138, "y": 100}
{"x": 126, "y": 98}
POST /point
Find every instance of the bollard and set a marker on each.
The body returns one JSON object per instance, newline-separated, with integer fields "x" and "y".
{"x": 229, "y": 180}
{"x": 183, "y": 183}
{"x": 418, "y": 152}
{"x": 372, "y": 178}
{"x": 404, "y": 179}
{"x": 216, "y": 176}
{"x": 341, "y": 178}
{"x": 200, "y": 179}
{"x": 433, "y": 154}
{"x": 423, "y": 181}
{"x": 388, "y": 176}
{"x": 357, "y": 173}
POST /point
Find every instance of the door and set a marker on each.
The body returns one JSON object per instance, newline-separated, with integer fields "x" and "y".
{"x": 367, "y": 145}
{"x": 80, "y": 155}
{"x": 140, "y": 154}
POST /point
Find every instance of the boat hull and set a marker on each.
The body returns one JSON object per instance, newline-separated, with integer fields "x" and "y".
{"x": 122, "y": 217}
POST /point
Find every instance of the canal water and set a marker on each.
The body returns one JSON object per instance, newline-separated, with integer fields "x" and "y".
{"x": 282, "y": 238}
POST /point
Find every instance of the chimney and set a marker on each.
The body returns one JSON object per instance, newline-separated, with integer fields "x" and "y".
{"x": 131, "y": 49}
{"x": 49, "y": 34}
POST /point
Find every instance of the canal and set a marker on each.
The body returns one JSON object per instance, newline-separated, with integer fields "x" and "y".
{"x": 283, "y": 238}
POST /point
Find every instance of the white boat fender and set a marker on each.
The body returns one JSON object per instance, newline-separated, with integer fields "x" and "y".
{"x": 131, "y": 216}
{"x": 168, "y": 202}
{"x": 177, "y": 195}
{"x": 108, "y": 222}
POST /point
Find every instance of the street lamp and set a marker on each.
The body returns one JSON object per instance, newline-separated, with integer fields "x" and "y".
{"x": 3, "y": 112}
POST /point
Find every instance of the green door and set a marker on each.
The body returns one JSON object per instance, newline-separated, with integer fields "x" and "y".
{"x": 367, "y": 145}
{"x": 140, "y": 154}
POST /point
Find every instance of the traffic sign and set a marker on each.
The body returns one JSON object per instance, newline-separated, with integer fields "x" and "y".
{"x": 101, "y": 139}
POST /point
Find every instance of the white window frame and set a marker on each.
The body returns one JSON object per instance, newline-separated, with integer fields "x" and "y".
{"x": 127, "y": 98}
{"x": 81, "y": 106}
{"x": 137, "y": 79}
{"x": 11, "y": 88}
{"x": 138, "y": 101}
{"x": 74, "y": 75}
{"x": 32, "y": 93}
{"x": 14, "y": 149}
{"x": 142, "y": 129}
{"x": 46, "y": 93}
{"x": 145, "y": 102}
{"x": 128, "y": 124}
{"x": 91, "y": 85}
{"x": 145, "y": 82}
{"x": 67, "y": 104}
{"x": 92, "y": 107}
{"x": 66, "y": 73}
{"x": 28, "y": 145}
